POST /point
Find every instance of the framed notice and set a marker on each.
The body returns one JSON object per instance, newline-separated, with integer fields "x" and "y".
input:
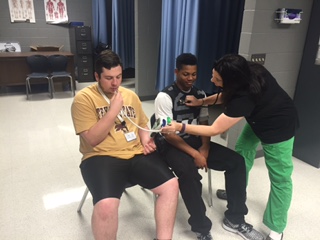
{"x": 21, "y": 11}
{"x": 56, "y": 11}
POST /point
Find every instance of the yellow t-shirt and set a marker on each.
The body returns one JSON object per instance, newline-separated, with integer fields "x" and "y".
{"x": 89, "y": 107}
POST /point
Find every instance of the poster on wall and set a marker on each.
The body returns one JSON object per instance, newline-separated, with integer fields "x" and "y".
{"x": 21, "y": 11}
{"x": 56, "y": 11}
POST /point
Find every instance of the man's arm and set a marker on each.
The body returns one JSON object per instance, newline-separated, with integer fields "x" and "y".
{"x": 147, "y": 142}
{"x": 175, "y": 140}
{"x": 163, "y": 107}
{"x": 220, "y": 125}
{"x": 100, "y": 130}
{"x": 204, "y": 149}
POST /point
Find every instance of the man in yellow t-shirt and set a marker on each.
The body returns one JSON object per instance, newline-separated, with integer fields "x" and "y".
{"x": 117, "y": 153}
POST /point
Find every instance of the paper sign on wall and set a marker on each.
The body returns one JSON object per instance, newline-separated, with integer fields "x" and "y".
{"x": 21, "y": 11}
{"x": 56, "y": 11}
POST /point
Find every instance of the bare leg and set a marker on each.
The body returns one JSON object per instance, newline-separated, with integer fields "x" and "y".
{"x": 105, "y": 219}
{"x": 165, "y": 209}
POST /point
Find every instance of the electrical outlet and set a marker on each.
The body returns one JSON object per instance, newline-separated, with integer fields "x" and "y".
{"x": 258, "y": 58}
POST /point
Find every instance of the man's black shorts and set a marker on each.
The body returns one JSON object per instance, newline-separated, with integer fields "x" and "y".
{"x": 107, "y": 177}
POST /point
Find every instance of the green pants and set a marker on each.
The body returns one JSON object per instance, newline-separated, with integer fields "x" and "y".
{"x": 278, "y": 159}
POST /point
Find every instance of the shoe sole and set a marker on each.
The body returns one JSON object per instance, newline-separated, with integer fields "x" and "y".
{"x": 229, "y": 229}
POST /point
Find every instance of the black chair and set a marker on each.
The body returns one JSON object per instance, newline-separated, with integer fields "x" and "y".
{"x": 39, "y": 66}
{"x": 152, "y": 121}
{"x": 58, "y": 66}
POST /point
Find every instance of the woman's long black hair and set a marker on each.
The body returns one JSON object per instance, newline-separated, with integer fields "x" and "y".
{"x": 240, "y": 76}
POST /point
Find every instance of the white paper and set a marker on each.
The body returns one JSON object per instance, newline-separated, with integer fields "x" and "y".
{"x": 56, "y": 11}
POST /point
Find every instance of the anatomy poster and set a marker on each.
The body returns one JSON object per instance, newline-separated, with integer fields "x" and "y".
{"x": 56, "y": 11}
{"x": 21, "y": 11}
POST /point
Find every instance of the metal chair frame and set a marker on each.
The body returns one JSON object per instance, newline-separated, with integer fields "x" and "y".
{"x": 58, "y": 65}
{"x": 39, "y": 66}
{"x": 84, "y": 196}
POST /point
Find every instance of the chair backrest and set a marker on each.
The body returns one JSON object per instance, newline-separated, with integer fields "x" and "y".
{"x": 58, "y": 63}
{"x": 38, "y": 63}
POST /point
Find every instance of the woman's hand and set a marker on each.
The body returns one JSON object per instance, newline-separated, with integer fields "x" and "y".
{"x": 172, "y": 128}
{"x": 192, "y": 101}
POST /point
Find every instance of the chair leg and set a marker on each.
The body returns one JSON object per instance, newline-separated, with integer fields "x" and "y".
{"x": 210, "y": 188}
{"x": 72, "y": 86}
{"x": 83, "y": 199}
{"x": 27, "y": 88}
{"x": 51, "y": 87}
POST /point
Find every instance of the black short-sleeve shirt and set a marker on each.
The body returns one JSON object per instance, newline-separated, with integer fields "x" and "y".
{"x": 273, "y": 118}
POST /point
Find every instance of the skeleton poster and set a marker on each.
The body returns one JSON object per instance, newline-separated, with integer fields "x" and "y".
{"x": 56, "y": 11}
{"x": 21, "y": 11}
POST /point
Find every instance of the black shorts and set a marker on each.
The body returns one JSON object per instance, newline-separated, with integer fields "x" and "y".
{"x": 107, "y": 177}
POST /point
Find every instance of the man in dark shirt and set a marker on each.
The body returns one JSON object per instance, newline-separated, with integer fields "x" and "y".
{"x": 186, "y": 153}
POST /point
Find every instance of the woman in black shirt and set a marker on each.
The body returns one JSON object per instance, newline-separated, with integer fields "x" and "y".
{"x": 250, "y": 92}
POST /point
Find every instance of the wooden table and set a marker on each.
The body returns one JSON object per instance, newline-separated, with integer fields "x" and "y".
{"x": 14, "y": 67}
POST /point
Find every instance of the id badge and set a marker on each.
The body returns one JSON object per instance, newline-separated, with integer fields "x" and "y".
{"x": 130, "y": 136}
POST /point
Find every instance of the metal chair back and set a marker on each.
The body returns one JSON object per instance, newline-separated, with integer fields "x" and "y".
{"x": 39, "y": 67}
{"x": 38, "y": 63}
{"x": 58, "y": 65}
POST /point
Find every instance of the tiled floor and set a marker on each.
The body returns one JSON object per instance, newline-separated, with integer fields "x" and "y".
{"x": 41, "y": 185}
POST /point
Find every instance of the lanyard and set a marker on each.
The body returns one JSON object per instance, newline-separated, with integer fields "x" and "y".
{"x": 121, "y": 112}
{"x": 108, "y": 101}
